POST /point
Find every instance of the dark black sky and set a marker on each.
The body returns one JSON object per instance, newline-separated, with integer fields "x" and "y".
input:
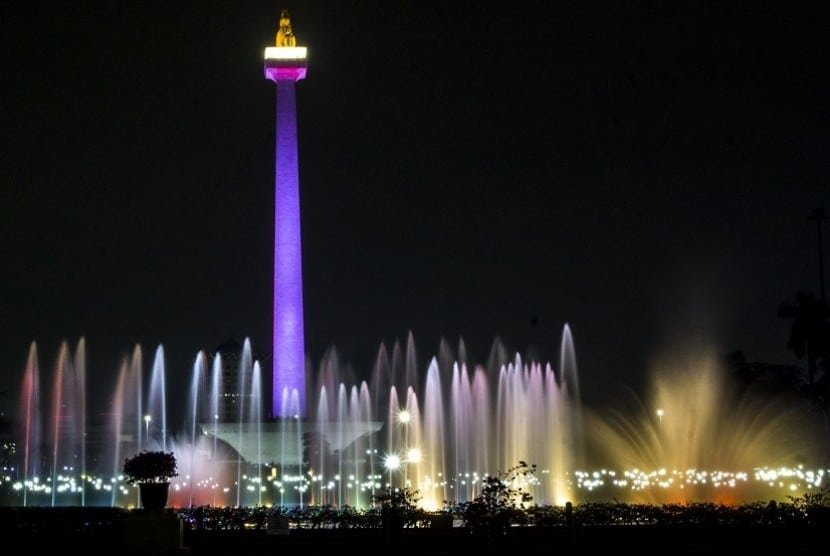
{"x": 642, "y": 172}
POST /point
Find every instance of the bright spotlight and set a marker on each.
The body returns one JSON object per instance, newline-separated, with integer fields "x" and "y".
{"x": 392, "y": 462}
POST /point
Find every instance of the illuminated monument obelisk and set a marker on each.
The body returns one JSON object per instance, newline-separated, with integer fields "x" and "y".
{"x": 285, "y": 64}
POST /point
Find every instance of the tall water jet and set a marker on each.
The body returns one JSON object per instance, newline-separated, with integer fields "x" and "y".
{"x": 255, "y": 417}
{"x": 117, "y": 423}
{"x": 366, "y": 444}
{"x": 54, "y": 421}
{"x": 573, "y": 411}
{"x": 193, "y": 418}
{"x": 128, "y": 413}
{"x": 79, "y": 384}
{"x": 380, "y": 380}
{"x": 30, "y": 419}
{"x": 342, "y": 412}
{"x": 393, "y": 419}
{"x": 320, "y": 444}
{"x": 135, "y": 389}
{"x": 61, "y": 419}
{"x": 432, "y": 435}
{"x": 157, "y": 402}
{"x": 245, "y": 369}
{"x": 215, "y": 396}
{"x": 470, "y": 420}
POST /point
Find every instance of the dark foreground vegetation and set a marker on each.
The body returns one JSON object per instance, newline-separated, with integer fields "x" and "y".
{"x": 398, "y": 527}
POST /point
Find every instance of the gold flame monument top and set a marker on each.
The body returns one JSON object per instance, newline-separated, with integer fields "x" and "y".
{"x": 285, "y": 52}
{"x": 285, "y": 35}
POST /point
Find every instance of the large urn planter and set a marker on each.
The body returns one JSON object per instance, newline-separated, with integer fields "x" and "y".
{"x": 153, "y": 495}
{"x": 152, "y": 472}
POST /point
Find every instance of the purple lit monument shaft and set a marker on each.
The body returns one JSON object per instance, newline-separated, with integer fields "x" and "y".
{"x": 289, "y": 397}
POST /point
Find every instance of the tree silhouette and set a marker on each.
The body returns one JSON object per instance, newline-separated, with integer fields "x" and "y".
{"x": 818, "y": 217}
{"x": 770, "y": 377}
{"x": 809, "y": 332}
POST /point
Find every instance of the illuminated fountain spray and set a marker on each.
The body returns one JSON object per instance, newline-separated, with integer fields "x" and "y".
{"x": 697, "y": 432}
{"x": 58, "y": 452}
{"x": 442, "y": 431}
{"x": 445, "y": 427}
{"x": 439, "y": 428}
{"x": 127, "y": 413}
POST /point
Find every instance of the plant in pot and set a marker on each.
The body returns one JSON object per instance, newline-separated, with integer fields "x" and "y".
{"x": 152, "y": 472}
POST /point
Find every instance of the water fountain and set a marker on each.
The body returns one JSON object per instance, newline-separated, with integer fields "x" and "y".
{"x": 439, "y": 430}
{"x": 699, "y": 431}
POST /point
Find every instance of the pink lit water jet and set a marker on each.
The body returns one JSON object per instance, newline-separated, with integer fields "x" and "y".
{"x": 30, "y": 418}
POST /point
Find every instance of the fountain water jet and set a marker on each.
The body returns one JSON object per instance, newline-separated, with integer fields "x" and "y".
{"x": 30, "y": 406}
{"x": 157, "y": 400}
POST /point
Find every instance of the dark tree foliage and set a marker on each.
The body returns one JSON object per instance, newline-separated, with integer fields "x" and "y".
{"x": 809, "y": 339}
{"x": 770, "y": 377}
{"x": 399, "y": 508}
{"x": 810, "y": 331}
{"x": 500, "y": 504}
{"x": 150, "y": 467}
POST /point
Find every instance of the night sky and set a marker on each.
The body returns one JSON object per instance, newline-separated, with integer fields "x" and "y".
{"x": 644, "y": 173}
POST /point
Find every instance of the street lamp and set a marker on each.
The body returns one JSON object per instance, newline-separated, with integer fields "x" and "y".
{"x": 404, "y": 418}
{"x": 660, "y": 415}
{"x": 413, "y": 455}
{"x": 391, "y": 463}
{"x": 147, "y": 419}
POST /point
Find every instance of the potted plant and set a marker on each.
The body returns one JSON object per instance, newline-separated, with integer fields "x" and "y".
{"x": 152, "y": 472}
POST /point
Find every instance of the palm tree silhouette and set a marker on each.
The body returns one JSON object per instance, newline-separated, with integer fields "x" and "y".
{"x": 809, "y": 332}
{"x": 818, "y": 217}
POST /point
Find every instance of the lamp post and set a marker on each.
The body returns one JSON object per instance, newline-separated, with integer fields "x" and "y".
{"x": 660, "y": 415}
{"x": 413, "y": 455}
{"x": 404, "y": 418}
{"x": 147, "y": 419}
{"x": 371, "y": 453}
{"x": 391, "y": 463}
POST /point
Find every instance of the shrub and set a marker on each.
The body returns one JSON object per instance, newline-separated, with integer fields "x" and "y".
{"x": 150, "y": 467}
{"x": 501, "y": 503}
